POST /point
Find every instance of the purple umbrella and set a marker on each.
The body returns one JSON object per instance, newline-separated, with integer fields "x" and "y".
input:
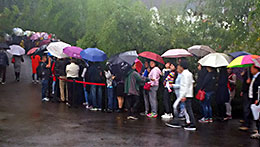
{"x": 73, "y": 51}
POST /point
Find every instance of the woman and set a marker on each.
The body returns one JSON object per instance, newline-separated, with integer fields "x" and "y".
{"x": 208, "y": 85}
{"x": 36, "y": 59}
{"x": 222, "y": 94}
{"x": 232, "y": 78}
{"x": 112, "y": 103}
{"x": 17, "y": 61}
{"x": 120, "y": 93}
{"x": 154, "y": 76}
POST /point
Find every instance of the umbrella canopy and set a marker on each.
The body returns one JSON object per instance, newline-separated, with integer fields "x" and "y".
{"x": 121, "y": 63}
{"x": 73, "y": 51}
{"x": 176, "y": 53}
{"x": 215, "y": 60}
{"x": 152, "y": 56}
{"x": 18, "y": 31}
{"x": 56, "y": 49}
{"x": 43, "y": 42}
{"x": 257, "y": 62}
{"x": 4, "y": 46}
{"x": 32, "y": 50}
{"x": 16, "y": 50}
{"x": 139, "y": 65}
{"x": 93, "y": 55}
{"x": 35, "y": 36}
{"x": 240, "y": 53}
{"x": 243, "y": 61}
{"x": 200, "y": 50}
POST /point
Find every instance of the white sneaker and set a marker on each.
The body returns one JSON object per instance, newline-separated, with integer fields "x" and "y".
{"x": 3, "y": 83}
{"x": 255, "y": 136}
{"x": 171, "y": 116}
{"x": 93, "y": 109}
{"x": 46, "y": 99}
{"x": 166, "y": 116}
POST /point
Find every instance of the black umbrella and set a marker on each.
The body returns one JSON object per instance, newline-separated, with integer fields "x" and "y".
{"x": 121, "y": 63}
{"x": 4, "y": 46}
{"x": 41, "y": 50}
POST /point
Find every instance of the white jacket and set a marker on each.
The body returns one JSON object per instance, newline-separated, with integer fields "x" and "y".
{"x": 186, "y": 84}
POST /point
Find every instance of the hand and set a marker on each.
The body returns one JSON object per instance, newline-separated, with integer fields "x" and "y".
{"x": 164, "y": 83}
{"x": 113, "y": 77}
{"x": 248, "y": 81}
{"x": 241, "y": 93}
{"x": 256, "y": 101}
{"x": 48, "y": 66}
{"x": 183, "y": 99}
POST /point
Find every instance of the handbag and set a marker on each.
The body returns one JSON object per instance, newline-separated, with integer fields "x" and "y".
{"x": 13, "y": 60}
{"x": 201, "y": 95}
{"x": 147, "y": 86}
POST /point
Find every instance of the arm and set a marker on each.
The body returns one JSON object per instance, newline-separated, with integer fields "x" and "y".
{"x": 233, "y": 79}
{"x": 183, "y": 86}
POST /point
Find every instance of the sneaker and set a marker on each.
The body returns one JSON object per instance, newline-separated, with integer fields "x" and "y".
{"x": 93, "y": 109}
{"x": 255, "y": 136}
{"x": 173, "y": 124}
{"x": 171, "y": 116}
{"x": 229, "y": 117}
{"x": 46, "y": 99}
{"x": 166, "y": 116}
{"x": 190, "y": 127}
{"x": 99, "y": 109}
{"x": 85, "y": 104}
{"x": 152, "y": 115}
{"x": 2, "y": 83}
{"x": 144, "y": 113}
{"x": 243, "y": 128}
{"x": 89, "y": 107}
{"x": 68, "y": 104}
{"x": 109, "y": 111}
{"x": 169, "y": 90}
{"x": 132, "y": 118}
{"x": 203, "y": 120}
{"x": 210, "y": 120}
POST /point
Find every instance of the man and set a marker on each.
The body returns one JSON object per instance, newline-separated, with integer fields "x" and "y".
{"x": 253, "y": 94}
{"x": 186, "y": 95}
{"x": 3, "y": 63}
{"x": 45, "y": 74}
{"x": 60, "y": 68}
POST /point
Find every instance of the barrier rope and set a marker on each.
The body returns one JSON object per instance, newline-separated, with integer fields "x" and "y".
{"x": 82, "y": 82}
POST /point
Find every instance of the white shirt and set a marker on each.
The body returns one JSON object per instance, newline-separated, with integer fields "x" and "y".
{"x": 72, "y": 70}
{"x": 250, "y": 93}
{"x": 186, "y": 84}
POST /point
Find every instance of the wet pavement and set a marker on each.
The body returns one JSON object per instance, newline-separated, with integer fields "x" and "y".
{"x": 26, "y": 121}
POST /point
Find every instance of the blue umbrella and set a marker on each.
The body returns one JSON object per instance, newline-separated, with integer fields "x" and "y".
{"x": 240, "y": 53}
{"x": 93, "y": 55}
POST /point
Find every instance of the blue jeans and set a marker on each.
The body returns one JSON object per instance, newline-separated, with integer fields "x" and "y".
{"x": 112, "y": 101}
{"x": 86, "y": 96}
{"x": 96, "y": 96}
{"x": 44, "y": 87}
{"x": 206, "y": 104}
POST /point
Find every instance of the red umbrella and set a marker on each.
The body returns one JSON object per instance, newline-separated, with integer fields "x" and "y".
{"x": 32, "y": 50}
{"x": 152, "y": 56}
{"x": 139, "y": 65}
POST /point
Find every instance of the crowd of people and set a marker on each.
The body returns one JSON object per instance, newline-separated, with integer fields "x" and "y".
{"x": 63, "y": 80}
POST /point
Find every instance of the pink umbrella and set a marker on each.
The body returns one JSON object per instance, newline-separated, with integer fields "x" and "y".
{"x": 152, "y": 56}
{"x": 73, "y": 51}
{"x": 139, "y": 65}
{"x": 32, "y": 50}
{"x": 176, "y": 53}
{"x": 35, "y": 36}
{"x": 43, "y": 42}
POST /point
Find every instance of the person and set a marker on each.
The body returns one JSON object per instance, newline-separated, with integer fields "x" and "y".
{"x": 247, "y": 76}
{"x": 4, "y": 62}
{"x": 35, "y": 63}
{"x": 168, "y": 83}
{"x": 95, "y": 75}
{"x": 222, "y": 94}
{"x": 120, "y": 93}
{"x": 253, "y": 94}
{"x": 112, "y": 103}
{"x": 132, "y": 83}
{"x": 232, "y": 91}
{"x": 186, "y": 95}
{"x": 60, "y": 68}
{"x": 208, "y": 85}
{"x": 17, "y": 61}
{"x": 45, "y": 74}
{"x": 146, "y": 72}
{"x": 72, "y": 73}
{"x": 154, "y": 75}
{"x": 166, "y": 70}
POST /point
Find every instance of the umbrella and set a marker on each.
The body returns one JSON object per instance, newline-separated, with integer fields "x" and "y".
{"x": 215, "y": 60}
{"x": 139, "y": 65}
{"x": 200, "y": 50}
{"x": 18, "y": 31}
{"x": 243, "y": 61}
{"x": 43, "y": 42}
{"x": 121, "y": 63}
{"x": 93, "y": 55}
{"x": 56, "y": 49}
{"x": 31, "y": 51}
{"x": 35, "y": 36}
{"x": 176, "y": 53}
{"x": 73, "y": 51}
{"x": 152, "y": 56}
{"x": 4, "y": 46}
{"x": 257, "y": 62}
{"x": 16, "y": 50}
{"x": 240, "y": 53}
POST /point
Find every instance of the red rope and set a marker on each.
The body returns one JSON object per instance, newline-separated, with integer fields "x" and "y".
{"x": 81, "y": 82}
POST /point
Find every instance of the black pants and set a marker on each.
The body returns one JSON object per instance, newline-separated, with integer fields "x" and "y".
{"x": 188, "y": 105}
{"x": 167, "y": 101}
{"x": 221, "y": 110}
{"x": 2, "y": 72}
{"x": 132, "y": 104}
{"x": 246, "y": 109}
{"x": 17, "y": 75}
{"x": 72, "y": 91}
{"x": 33, "y": 76}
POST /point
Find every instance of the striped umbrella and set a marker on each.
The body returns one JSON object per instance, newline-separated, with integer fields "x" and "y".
{"x": 243, "y": 61}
